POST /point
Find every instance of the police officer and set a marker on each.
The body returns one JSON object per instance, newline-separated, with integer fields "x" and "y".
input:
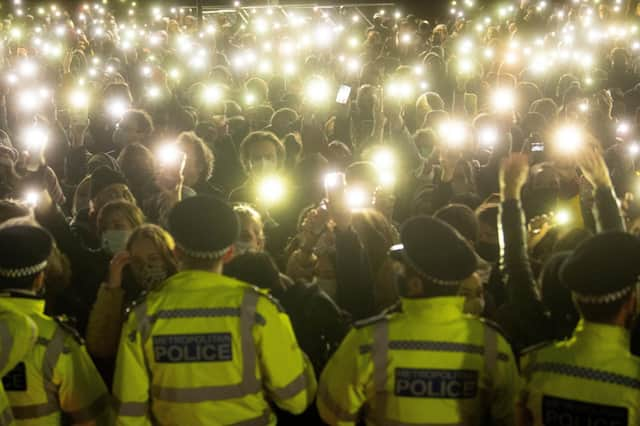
{"x": 18, "y": 333}
{"x": 204, "y": 348}
{"x": 57, "y": 376}
{"x": 591, "y": 379}
{"x": 426, "y": 362}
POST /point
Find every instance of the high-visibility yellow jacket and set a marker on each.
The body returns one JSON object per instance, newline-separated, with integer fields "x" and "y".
{"x": 428, "y": 364}
{"x": 17, "y": 335}
{"x": 207, "y": 349}
{"x": 590, "y": 379}
{"x": 57, "y": 376}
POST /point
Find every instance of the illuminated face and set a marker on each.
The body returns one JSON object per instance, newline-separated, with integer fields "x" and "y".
{"x": 251, "y": 235}
{"x": 263, "y": 157}
{"x": 117, "y": 221}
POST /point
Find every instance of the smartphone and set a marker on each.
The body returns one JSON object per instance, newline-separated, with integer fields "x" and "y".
{"x": 343, "y": 94}
{"x": 537, "y": 147}
{"x": 334, "y": 184}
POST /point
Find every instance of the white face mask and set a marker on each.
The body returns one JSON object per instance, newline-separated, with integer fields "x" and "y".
{"x": 114, "y": 241}
{"x": 263, "y": 166}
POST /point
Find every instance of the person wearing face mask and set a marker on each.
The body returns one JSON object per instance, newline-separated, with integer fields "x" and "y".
{"x": 145, "y": 263}
{"x": 105, "y": 185}
{"x": 251, "y": 237}
{"x": 591, "y": 378}
{"x": 262, "y": 156}
{"x": 425, "y": 362}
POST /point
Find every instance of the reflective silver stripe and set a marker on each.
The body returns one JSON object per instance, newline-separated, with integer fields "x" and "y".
{"x": 131, "y": 409}
{"x": 334, "y": 407}
{"x": 201, "y": 394}
{"x": 294, "y": 387}
{"x": 55, "y": 347}
{"x": 144, "y": 322}
{"x": 92, "y": 411}
{"x": 587, "y": 374}
{"x": 263, "y": 420}
{"x": 203, "y": 313}
{"x": 247, "y": 317}
{"x": 6, "y": 342}
{"x": 379, "y": 356}
{"x": 490, "y": 349}
{"x": 34, "y": 411}
{"x": 6, "y": 418}
{"x": 42, "y": 341}
{"x": 435, "y": 346}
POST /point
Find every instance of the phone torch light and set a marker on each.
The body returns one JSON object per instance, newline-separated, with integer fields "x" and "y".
{"x": 583, "y": 106}
{"x": 568, "y": 139}
{"x": 169, "y": 154}
{"x": 634, "y": 149}
{"x": 212, "y": 94}
{"x": 116, "y": 108}
{"x": 623, "y": 128}
{"x": 249, "y": 99}
{"x": 317, "y": 90}
{"x": 271, "y": 190}
{"x": 503, "y": 100}
{"x": 79, "y": 99}
{"x": 35, "y": 138}
{"x": 454, "y": 132}
{"x": 174, "y": 74}
{"x": 29, "y": 100}
{"x": 356, "y": 198}
{"x": 331, "y": 180}
{"x": 562, "y": 217}
{"x": 383, "y": 159}
{"x": 31, "y": 199}
{"x": 488, "y": 136}
{"x": 405, "y": 38}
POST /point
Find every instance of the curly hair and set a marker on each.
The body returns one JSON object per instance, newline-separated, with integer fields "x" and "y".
{"x": 203, "y": 153}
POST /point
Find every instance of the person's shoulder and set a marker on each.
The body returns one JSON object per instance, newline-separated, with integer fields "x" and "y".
{"x": 388, "y": 314}
{"x": 70, "y": 333}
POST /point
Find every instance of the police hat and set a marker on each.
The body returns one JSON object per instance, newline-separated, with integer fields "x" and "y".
{"x": 203, "y": 227}
{"x": 24, "y": 250}
{"x": 436, "y": 250}
{"x": 604, "y": 268}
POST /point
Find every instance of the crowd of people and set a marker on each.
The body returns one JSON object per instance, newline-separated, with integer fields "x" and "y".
{"x": 320, "y": 215}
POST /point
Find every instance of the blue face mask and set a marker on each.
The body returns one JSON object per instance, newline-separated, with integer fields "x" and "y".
{"x": 114, "y": 241}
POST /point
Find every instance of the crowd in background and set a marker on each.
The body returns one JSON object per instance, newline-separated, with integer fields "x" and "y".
{"x": 325, "y": 129}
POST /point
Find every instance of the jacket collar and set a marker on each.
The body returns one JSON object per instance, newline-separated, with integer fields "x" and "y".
{"x": 438, "y": 309}
{"x": 602, "y": 333}
{"x": 26, "y": 301}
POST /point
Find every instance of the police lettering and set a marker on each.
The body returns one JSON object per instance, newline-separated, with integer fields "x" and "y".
{"x": 213, "y": 347}
{"x": 423, "y": 383}
{"x": 16, "y": 379}
{"x": 566, "y": 412}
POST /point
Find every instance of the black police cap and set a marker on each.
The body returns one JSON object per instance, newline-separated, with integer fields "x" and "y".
{"x": 604, "y": 268}
{"x": 203, "y": 227}
{"x": 24, "y": 251}
{"x": 436, "y": 250}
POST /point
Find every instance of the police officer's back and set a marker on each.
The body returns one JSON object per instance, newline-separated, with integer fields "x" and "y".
{"x": 592, "y": 378}
{"x": 428, "y": 362}
{"x": 18, "y": 333}
{"x": 57, "y": 378}
{"x": 204, "y": 348}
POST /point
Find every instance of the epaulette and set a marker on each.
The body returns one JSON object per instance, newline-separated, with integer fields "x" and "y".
{"x": 494, "y": 325}
{"x": 269, "y": 296}
{"x": 387, "y": 313}
{"x": 534, "y": 348}
{"x": 132, "y": 305}
{"x": 67, "y": 325}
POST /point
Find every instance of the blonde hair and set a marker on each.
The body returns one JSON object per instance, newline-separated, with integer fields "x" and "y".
{"x": 160, "y": 239}
{"x": 131, "y": 212}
